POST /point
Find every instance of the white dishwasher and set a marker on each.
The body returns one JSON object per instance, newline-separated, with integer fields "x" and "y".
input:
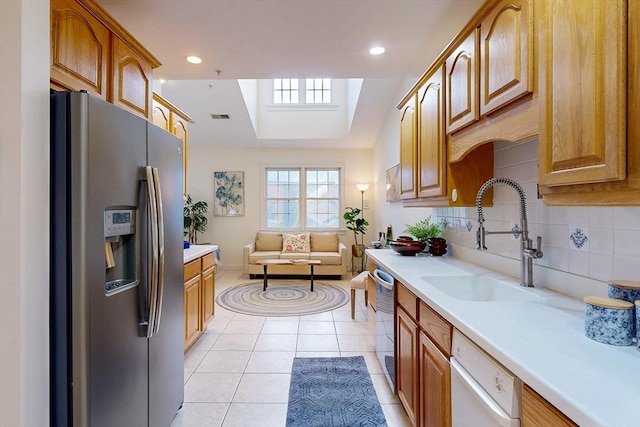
{"x": 483, "y": 392}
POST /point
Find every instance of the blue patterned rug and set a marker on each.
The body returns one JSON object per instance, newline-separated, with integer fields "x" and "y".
{"x": 332, "y": 392}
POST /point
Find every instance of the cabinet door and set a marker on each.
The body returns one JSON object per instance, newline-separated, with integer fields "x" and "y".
{"x": 407, "y": 364}
{"x": 537, "y": 412}
{"x": 431, "y": 138}
{"x": 208, "y": 295}
{"x": 435, "y": 385}
{"x": 582, "y": 77}
{"x": 132, "y": 80}
{"x": 462, "y": 88}
{"x": 506, "y": 54}
{"x": 408, "y": 150}
{"x": 79, "y": 49}
{"x": 192, "y": 325}
{"x": 161, "y": 116}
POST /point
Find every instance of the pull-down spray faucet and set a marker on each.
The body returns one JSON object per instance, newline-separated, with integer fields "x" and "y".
{"x": 528, "y": 252}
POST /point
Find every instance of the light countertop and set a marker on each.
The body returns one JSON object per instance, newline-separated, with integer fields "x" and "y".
{"x": 196, "y": 251}
{"x": 541, "y": 341}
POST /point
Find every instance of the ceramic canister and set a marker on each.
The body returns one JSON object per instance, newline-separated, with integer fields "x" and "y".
{"x": 625, "y": 290}
{"x": 608, "y": 320}
{"x": 637, "y": 308}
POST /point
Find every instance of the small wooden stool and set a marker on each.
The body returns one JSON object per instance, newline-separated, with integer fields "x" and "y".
{"x": 359, "y": 282}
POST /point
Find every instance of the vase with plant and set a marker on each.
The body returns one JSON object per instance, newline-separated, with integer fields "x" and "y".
{"x": 195, "y": 219}
{"x": 431, "y": 232}
{"x": 356, "y": 223}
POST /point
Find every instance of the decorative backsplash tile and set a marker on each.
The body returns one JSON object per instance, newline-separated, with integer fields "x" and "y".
{"x": 579, "y": 238}
{"x": 601, "y": 243}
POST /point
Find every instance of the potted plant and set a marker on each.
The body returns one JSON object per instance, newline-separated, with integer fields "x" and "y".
{"x": 428, "y": 231}
{"x": 195, "y": 219}
{"x": 358, "y": 225}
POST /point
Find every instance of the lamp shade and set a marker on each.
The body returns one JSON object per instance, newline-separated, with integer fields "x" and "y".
{"x": 362, "y": 187}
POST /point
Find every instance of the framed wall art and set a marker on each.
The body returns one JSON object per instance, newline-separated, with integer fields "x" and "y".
{"x": 393, "y": 183}
{"x": 228, "y": 191}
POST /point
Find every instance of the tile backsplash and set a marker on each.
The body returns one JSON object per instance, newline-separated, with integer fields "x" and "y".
{"x": 600, "y": 243}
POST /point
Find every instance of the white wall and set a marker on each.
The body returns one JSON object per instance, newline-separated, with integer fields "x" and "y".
{"x": 232, "y": 233}
{"x": 24, "y": 213}
{"x": 291, "y": 122}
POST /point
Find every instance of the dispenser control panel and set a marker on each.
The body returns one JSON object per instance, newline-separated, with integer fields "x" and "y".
{"x": 119, "y": 222}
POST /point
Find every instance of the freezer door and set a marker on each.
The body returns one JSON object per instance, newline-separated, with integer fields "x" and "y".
{"x": 166, "y": 346}
{"x": 109, "y": 357}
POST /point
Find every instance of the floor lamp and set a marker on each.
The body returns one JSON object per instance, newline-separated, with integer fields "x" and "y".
{"x": 362, "y": 188}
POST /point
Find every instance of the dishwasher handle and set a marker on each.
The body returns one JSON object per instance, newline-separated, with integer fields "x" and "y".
{"x": 383, "y": 278}
{"x": 481, "y": 397}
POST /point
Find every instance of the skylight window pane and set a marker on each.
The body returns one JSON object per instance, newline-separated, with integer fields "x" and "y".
{"x": 318, "y": 91}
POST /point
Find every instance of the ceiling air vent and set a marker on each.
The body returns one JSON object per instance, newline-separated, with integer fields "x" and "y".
{"x": 220, "y": 117}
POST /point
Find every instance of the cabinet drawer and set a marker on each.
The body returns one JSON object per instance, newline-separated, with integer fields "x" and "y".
{"x": 408, "y": 301}
{"x": 438, "y": 329}
{"x": 192, "y": 269}
{"x": 208, "y": 261}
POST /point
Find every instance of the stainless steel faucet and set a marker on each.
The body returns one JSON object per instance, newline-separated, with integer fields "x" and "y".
{"x": 528, "y": 252}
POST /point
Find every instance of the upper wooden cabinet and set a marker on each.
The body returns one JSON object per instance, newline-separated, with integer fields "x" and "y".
{"x": 583, "y": 141}
{"x": 132, "y": 79}
{"x": 506, "y": 54}
{"x": 172, "y": 119}
{"x": 408, "y": 150}
{"x": 432, "y": 150}
{"x": 462, "y": 83}
{"x": 589, "y": 148}
{"x": 79, "y": 48}
{"x": 91, "y": 51}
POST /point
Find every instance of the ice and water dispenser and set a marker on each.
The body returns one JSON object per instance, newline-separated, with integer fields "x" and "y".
{"x": 121, "y": 251}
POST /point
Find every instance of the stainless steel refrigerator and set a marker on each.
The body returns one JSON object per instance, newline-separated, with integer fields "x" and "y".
{"x": 116, "y": 267}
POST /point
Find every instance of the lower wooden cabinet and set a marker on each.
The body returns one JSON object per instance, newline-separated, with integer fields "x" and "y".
{"x": 208, "y": 294}
{"x": 435, "y": 385}
{"x": 199, "y": 297}
{"x": 538, "y": 412}
{"x": 192, "y": 313}
{"x": 407, "y": 363}
{"x": 423, "y": 347}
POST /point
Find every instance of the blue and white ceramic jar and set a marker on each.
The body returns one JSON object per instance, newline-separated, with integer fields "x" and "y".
{"x": 608, "y": 320}
{"x": 637, "y": 309}
{"x": 626, "y": 290}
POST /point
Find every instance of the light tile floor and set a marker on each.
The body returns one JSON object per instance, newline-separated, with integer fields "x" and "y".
{"x": 238, "y": 372}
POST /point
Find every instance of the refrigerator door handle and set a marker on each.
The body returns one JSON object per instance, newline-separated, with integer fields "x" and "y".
{"x": 159, "y": 297}
{"x": 153, "y": 222}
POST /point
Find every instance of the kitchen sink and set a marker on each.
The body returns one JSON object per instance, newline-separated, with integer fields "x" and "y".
{"x": 482, "y": 288}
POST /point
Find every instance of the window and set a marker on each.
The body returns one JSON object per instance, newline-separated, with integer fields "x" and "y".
{"x": 285, "y": 91}
{"x": 317, "y": 91}
{"x": 303, "y": 198}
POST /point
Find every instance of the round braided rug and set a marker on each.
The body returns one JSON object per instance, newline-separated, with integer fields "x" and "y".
{"x": 290, "y": 298}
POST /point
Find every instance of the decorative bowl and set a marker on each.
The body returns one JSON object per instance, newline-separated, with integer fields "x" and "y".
{"x": 407, "y": 247}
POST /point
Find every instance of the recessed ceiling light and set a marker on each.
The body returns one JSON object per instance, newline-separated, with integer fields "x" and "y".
{"x": 194, "y": 59}
{"x": 378, "y": 50}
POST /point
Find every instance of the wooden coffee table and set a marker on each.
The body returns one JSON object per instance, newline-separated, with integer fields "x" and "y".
{"x": 267, "y": 262}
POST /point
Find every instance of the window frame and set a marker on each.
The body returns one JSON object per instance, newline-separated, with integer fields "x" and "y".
{"x": 303, "y": 198}
{"x": 302, "y": 95}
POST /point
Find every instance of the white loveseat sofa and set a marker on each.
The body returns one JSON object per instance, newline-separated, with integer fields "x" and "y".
{"x": 325, "y": 247}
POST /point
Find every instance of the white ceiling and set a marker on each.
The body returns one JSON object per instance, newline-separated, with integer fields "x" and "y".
{"x": 288, "y": 38}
